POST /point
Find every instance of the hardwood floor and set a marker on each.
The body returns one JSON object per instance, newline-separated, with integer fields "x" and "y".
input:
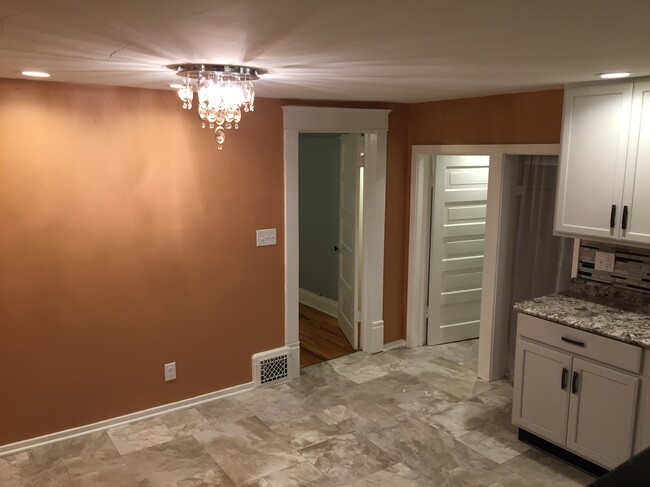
{"x": 321, "y": 338}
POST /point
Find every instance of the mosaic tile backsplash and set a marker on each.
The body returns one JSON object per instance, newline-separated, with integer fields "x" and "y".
{"x": 631, "y": 268}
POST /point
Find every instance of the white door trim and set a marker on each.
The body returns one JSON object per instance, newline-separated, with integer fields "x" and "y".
{"x": 374, "y": 123}
{"x": 492, "y": 360}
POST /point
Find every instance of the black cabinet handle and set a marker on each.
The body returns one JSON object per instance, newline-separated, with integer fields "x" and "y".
{"x": 612, "y": 217}
{"x": 624, "y": 224}
{"x": 573, "y": 342}
{"x": 565, "y": 376}
{"x": 574, "y": 383}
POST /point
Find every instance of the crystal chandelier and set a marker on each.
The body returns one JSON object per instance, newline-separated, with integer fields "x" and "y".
{"x": 223, "y": 91}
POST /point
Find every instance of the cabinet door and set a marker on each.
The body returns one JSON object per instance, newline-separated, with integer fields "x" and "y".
{"x": 637, "y": 179}
{"x": 601, "y": 413}
{"x": 541, "y": 391}
{"x": 595, "y": 133}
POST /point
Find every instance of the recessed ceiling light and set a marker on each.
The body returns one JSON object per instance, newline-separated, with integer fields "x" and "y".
{"x": 619, "y": 74}
{"x": 176, "y": 86}
{"x": 36, "y": 74}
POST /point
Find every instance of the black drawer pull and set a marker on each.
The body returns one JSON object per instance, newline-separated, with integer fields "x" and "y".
{"x": 574, "y": 383}
{"x": 612, "y": 217}
{"x": 624, "y": 223}
{"x": 573, "y": 342}
{"x": 565, "y": 376}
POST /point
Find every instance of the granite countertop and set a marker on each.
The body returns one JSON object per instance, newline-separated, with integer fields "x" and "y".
{"x": 594, "y": 311}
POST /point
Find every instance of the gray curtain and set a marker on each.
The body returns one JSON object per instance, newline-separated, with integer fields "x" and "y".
{"x": 542, "y": 261}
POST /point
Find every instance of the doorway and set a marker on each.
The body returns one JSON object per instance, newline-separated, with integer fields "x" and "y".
{"x": 330, "y": 179}
{"x": 495, "y": 304}
{"x": 373, "y": 123}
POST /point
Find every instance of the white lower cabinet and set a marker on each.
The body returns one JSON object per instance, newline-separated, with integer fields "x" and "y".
{"x": 601, "y": 413}
{"x": 585, "y": 407}
{"x": 541, "y": 404}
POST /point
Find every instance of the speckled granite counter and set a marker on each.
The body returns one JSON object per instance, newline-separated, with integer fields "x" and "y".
{"x": 582, "y": 311}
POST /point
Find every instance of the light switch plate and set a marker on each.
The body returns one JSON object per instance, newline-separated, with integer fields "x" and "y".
{"x": 266, "y": 237}
{"x": 604, "y": 261}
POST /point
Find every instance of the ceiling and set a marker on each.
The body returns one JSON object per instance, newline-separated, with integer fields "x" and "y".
{"x": 373, "y": 50}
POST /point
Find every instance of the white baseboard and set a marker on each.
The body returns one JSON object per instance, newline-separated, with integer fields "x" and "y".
{"x": 127, "y": 418}
{"x": 321, "y": 303}
{"x": 394, "y": 345}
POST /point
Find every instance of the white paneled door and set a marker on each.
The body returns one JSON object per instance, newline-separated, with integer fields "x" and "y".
{"x": 456, "y": 253}
{"x": 351, "y": 147}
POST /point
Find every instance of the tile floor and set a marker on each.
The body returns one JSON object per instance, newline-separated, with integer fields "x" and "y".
{"x": 415, "y": 417}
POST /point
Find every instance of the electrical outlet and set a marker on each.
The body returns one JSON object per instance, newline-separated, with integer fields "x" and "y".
{"x": 604, "y": 261}
{"x": 170, "y": 371}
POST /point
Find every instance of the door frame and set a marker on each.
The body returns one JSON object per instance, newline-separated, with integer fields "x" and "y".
{"x": 493, "y": 334}
{"x": 374, "y": 123}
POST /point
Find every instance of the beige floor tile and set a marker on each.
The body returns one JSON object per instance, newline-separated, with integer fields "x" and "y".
{"x": 248, "y": 450}
{"x": 170, "y": 462}
{"x": 459, "y": 419}
{"x": 301, "y": 475}
{"x": 493, "y": 442}
{"x": 139, "y": 435}
{"x": 346, "y": 457}
{"x": 305, "y": 431}
{"x": 397, "y": 475}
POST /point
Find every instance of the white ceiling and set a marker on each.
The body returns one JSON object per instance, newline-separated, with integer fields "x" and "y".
{"x": 383, "y": 50}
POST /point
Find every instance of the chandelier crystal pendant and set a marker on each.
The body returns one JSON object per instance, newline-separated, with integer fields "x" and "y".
{"x": 223, "y": 92}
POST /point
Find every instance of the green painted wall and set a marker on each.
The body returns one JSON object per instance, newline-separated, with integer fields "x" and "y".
{"x": 319, "y": 213}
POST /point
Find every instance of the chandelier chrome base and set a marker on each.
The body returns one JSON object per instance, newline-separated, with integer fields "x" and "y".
{"x": 194, "y": 71}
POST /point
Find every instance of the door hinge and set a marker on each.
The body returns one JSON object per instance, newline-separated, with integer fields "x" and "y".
{"x": 426, "y": 312}
{"x": 361, "y": 160}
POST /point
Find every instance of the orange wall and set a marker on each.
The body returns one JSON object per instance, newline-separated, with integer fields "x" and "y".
{"x": 517, "y": 118}
{"x": 396, "y": 242}
{"x": 128, "y": 242}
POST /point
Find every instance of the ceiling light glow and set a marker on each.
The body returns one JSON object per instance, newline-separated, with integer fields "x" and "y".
{"x": 223, "y": 93}
{"x": 36, "y": 74}
{"x": 615, "y": 75}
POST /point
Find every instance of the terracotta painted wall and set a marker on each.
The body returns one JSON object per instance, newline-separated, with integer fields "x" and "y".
{"x": 128, "y": 241}
{"x": 396, "y": 242}
{"x": 517, "y": 118}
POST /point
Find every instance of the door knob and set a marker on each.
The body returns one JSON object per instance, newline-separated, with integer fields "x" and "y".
{"x": 336, "y": 249}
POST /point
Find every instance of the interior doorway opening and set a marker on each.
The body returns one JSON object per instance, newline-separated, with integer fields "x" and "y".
{"x": 536, "y": 262}
{"x": 330, "y": 201}
{"x": 496, "y": 300}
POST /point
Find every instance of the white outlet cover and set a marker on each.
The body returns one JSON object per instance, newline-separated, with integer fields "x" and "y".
{"x": 170, "y": 371}
{"x": 604, "y": 261}
{"x": 266, "y": 236}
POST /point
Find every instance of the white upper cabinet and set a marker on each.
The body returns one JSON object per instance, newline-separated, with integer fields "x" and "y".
{"x": 635, "y": 224}
{"x": 595, "y": 134}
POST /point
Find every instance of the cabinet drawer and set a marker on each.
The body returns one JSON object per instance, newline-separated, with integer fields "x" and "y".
{"x": 607, "y": 350}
